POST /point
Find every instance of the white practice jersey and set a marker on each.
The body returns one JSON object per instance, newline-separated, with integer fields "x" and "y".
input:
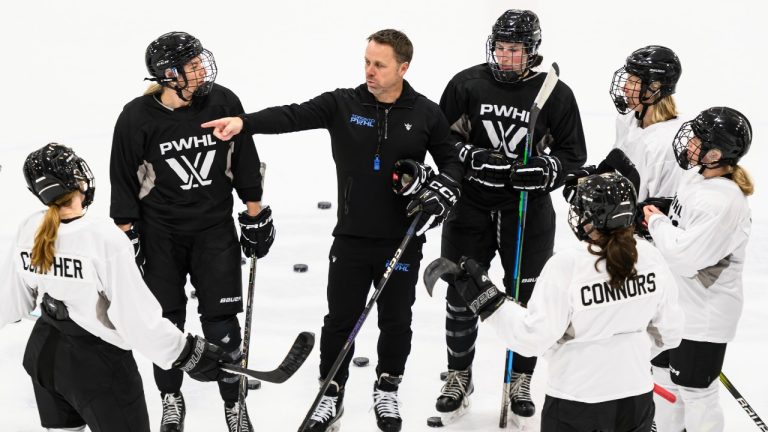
{"x": 94, "y": 273}
{"x": 650, "y": 149}
{"x": 704, "y": 240}
{"x": 598, "y": 340}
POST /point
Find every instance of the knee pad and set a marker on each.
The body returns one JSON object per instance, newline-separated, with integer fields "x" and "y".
{"x": 223, "y": 331}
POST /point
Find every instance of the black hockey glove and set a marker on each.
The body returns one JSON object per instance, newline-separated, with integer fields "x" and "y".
{"x": 641, "y": 228}
{"x": 540, "y": 173}
{"x": 486, "y": 167}
{"x": 617, "y": 160}
{"x": 256, "y": 232}
{"x": 201, "y": 359}
{"x": 138, "y": 253}
{"x": 408, "y": 176}
{"x": 477, "y": 290}
{"x": 572, "y": 180}
{"x": 434, "y": 201}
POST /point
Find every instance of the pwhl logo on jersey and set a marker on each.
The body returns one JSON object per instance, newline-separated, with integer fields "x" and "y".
{"x": 502, "y": 135}
{"x": 192, "y": 173}
{"x": 361, "y": 121}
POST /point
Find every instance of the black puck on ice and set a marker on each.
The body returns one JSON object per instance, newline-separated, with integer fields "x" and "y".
{"x": 443, "y": 375}
{"x": 360, "y": 361}
{"x": 435, "y": 422}
{"x": 300, "y": 268}
{"x": 254, "y": 384}
{"x": 325, "y": 205}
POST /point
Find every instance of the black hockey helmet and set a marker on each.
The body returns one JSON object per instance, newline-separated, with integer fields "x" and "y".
{"x": 723, "y": 131}
{"x": 55, "y": 170}
{"x": 172, "y": 51}
{"x": 515, "y": 26}
{"x": 651, "y": 64}
{"x": 602, "y": 202}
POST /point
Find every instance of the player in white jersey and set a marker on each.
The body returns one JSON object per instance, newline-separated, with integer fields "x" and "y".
{"x": 644, "y": 86}
{"x": 95, "y": 307}
{"x": 599, "y": 313}
{"x": 704, "y": 241}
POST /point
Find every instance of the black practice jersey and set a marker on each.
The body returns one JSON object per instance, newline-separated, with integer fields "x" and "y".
{"x": 166, "y": 170}
{"x": 490, "y": 114}
{"x": 367, "y": 138}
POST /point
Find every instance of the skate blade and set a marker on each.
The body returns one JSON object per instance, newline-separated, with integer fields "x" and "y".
{"x": 444, "y": 419}
{"x": 523, "y": 424}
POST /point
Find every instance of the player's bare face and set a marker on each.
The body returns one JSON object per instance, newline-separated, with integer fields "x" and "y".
{"x": 383, "y": 73}
{"x": 195, "y": 73}
{"x": 694, "y": 149}
{"x": 510, "y": 56}
{"x": 632, "y": 91}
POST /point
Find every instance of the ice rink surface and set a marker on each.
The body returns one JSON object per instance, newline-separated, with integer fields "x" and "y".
{"x": 70, "y": 67}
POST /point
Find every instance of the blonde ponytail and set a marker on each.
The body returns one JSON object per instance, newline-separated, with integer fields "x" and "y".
{"x": 742, "y": 178}
{"x": 45, "y": 238}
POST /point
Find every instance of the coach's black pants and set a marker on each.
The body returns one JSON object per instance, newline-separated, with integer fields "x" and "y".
{"x": 356, "y": 264}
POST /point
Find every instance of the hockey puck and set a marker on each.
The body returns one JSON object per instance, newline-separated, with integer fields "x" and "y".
{"x": 443, "y": 375}
{"x": 325, "y": 205}
{"x": 435, "y": 422}
{"x": 360, "y": 361}
{"x": 254, "y": 384}
{"x": 300, "y": 268}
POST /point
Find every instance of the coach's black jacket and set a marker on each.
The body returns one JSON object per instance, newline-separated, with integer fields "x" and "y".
{"x": 361, "y": 128}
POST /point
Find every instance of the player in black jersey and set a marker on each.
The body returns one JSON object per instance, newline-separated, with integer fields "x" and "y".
{"x": 487, "y": 107}
{"x": 372, "y": 127}
{"x": 172, "y": 185}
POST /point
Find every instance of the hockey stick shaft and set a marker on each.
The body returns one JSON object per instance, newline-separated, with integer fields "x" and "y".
{"x": 353, "y": 334}
{"x": 541, "y": 98}
{"x": 664, "y": 393}
{"x": 296, "y": 356}
{"x": 743, "y": 402}
{"x": 243, "y": 388}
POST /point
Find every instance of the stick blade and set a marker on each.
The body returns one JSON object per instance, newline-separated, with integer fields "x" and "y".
{"x": 299, "y": 352}
{"x": 441, "y": 268}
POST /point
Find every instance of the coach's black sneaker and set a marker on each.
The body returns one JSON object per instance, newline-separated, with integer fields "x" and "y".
{"x": 174, "y": 411}
{"x": 520, "y": 395}
{"x": 386, "y": 404}
{"x": 326, "y": 416}
{"x": 231, "y": 410}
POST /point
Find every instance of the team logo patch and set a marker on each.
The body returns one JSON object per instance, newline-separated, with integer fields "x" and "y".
{"x": 408, "y": 126}
{"x": 361, "y": 121}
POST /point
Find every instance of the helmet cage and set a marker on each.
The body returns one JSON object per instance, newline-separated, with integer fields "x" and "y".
{"x": 56, "y": 170}
{"x": 167, "y": 56}
{"x": 724, "y": 135}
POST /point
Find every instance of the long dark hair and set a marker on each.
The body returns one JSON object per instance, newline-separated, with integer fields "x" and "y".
{"x": 619, "y": 250}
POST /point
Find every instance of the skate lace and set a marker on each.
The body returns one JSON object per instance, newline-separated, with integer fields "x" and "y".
{"x": 231, "y": 414}
{"x": 325, "y": 410}
{"x": 386, "y": 403}
{"x": 456, "y": 384}
{"x": 172, "y": 407}
{"x": 521, "y": 388}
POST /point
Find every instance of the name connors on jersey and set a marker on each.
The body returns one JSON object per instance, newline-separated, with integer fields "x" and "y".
{"x": 505, "y": 111}
{"x": 187, "y": 143}
{"x": 62, "y": 266}
{"x": 603, "y": 292}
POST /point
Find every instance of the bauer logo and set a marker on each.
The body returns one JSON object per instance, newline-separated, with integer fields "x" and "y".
{"x": 230, "y": 299}
{"x": 361, "y": 121}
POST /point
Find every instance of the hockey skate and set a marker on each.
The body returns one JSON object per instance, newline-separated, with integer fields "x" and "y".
{"x": 230, "y": 414}
{"x": 386, "y": 404}
{"x": 329, "y": 411}
{"x": 174, "y": 411}
{"x": 453, "y": 401}
{"x": 520, "y": 395}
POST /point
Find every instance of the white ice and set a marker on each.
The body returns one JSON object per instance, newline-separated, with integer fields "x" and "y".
{"x": 69, "y": 67}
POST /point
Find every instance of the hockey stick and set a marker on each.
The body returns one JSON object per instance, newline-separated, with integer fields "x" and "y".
{"x": 666, "y": 394}
{"x": 353, "y": 334}
{"x": 541, "y": 98}
{"x": 743, "y": 402}
{"x": 298, "y": 353}
{"x": 243, "y": 387}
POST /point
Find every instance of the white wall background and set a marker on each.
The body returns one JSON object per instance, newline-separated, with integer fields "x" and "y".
{"x": 70, "y": 66}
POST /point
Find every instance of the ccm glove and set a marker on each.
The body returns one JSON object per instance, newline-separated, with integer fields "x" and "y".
{"x": 486, "y": 167}
{"x": 200, "y": 359}
{"x": 617, "y": 160}
{"x": 641, "y": 228}
{"x": 409, "y": 176}
{"x": 434, "y": 201}
{"x": 540, "y": 173}
{"x": 477, "y": 290}
{"x": 138, "y": 253}
{"x": 256, "y": 232}
{"x": 572, "y": 180}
